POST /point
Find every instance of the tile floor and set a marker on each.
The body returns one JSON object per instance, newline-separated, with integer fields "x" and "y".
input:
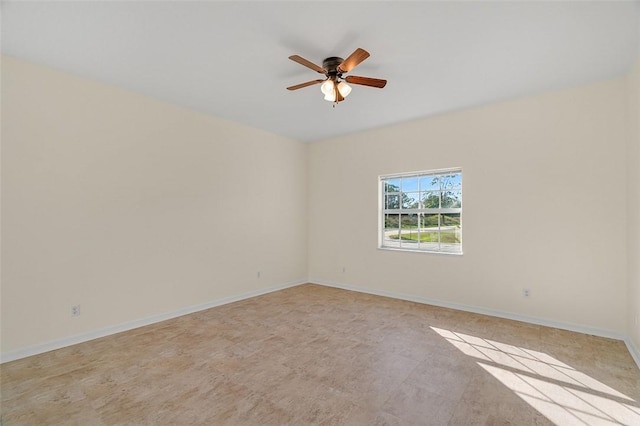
{"x": 317, "y": 355}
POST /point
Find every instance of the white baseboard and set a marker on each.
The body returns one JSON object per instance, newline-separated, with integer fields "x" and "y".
{"x": 479, "y": 310}
{"x": 633, "y": 350}
{"x": 91, "y": 335}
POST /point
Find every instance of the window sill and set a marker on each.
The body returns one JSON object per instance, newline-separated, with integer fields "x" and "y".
{"x": 446, "y": 253}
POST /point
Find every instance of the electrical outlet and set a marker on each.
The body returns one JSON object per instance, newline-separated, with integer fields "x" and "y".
{"x": 258, "y": 275}
{"x": 526, "y": 292}
{"x": 75, "y": 311}
{"x": 344, "y": 269}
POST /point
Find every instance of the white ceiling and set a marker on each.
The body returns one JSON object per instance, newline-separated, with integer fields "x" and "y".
{"x": 229, "y": 59}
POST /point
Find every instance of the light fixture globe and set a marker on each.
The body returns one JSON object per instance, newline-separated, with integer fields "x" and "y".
{"x": 344, "y": 89}
{"x": 327, "y": 87}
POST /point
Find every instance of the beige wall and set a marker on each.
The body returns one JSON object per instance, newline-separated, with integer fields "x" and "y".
{"x": 132, "y": 207}
{"x": 633, "y": 212}
{"x": 544, "y": 190}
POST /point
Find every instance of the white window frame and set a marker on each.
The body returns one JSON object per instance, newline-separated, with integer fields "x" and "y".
{"x": 440, "y": 247}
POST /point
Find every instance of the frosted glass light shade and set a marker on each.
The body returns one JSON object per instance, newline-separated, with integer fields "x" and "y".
{"x": 344, "y": 89}
{"x": 327, "y": 87}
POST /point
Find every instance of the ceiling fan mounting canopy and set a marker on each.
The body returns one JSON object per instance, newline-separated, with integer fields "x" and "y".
{"x": 333, "y": 67}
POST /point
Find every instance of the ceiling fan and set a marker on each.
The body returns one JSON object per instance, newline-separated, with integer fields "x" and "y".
{"x": 335, "y": 87}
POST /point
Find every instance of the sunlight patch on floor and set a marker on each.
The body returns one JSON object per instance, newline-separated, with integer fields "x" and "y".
{"x": 558, "y": 391}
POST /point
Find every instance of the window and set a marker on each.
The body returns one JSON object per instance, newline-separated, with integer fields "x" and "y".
{"x": 422, "y": 211}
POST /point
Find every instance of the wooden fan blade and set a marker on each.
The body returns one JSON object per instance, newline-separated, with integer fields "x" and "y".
{"x": 308, "y": 64}
{"x": 353, "y": 60}
{"x": 366, "y": 81}
{"x": 301, "y": 85}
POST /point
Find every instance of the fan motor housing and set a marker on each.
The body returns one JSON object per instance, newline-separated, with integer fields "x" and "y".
{"x": 331, "y": 65}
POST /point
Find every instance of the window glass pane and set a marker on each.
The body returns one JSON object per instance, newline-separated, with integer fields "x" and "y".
{"x": 429, "y": 222}
{"x": 410, "y": 233}
{"x": 392, "y": 185}
{"x": 429, "y": 232}
{"x": 450, "y": 236}
{"x": 391, "y": 236}
{"x": 410, "y": 200}
{"x": 431, "y": 200}
{"x": 429, "y": 183}
{"x": 451, "y": 181}
{"x": 409, "y": 184}
{"x": 409, "y": 221}
{"x": 391, "y": 221}
{"x": 451, "y": 199}
{"x": 450, "y": 219}
{"x": 392, "y": 201}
